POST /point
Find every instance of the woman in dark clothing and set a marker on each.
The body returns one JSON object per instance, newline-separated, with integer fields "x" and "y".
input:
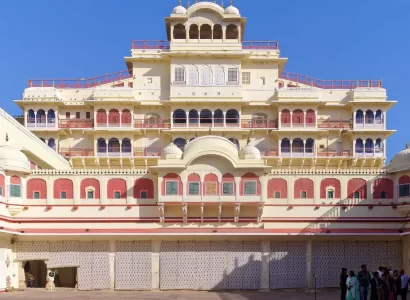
{"x": 396, "y": 284}
{"x": 377, "y": 287}
{"x": 386, "y": 285}
{"x": 343, "y": 287}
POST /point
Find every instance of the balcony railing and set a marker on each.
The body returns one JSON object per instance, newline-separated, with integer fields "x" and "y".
{"x": 114, "y": 125}
{"x": 342, "y": 124}
{"x": 206, "y": 122}
{"x": 369, "y": 152}
{"x": 329, "y": 84}
{"x": 165, "y": 45}
{"x": 81, "y": 82}
{"x": 76, "y": 123}
{"x": 333, "y": 152}
{"x": 260, "y": 45}
{"x": 33, "y": 123}
{"x": 259, "y": 123}
{"x": 369, "y": 123}
{"x": 73, "y": 152}
{"x": 148, "y": 123}
{"x": 147, "y": 151}
{"x": 153, "y": 45}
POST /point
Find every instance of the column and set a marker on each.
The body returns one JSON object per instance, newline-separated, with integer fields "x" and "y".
{"x": 224, "y": 118}
{"x": 279, "y": 120}
{"x": 343, "y": 190}
{"x": 291, "y": 119}
{"x": 187, "y": 119}
{"x": 50, "y": 187}
{"x": 156, "y": 189}
{"x": 112, "y": 265}
{"x": 223, "y": 33}
{"x": 120, "y": 141}
{"x": 354, "y": 119}
{"x": 384, "y": 148}
{"x": 237, "y": 188}
{"x": 316, "y": 190}
{"x": 25, "y": 118}
{"x": 106, "y": 148}
{"x": 172, "y": 119}
{"x": 103, "y": 190}
{"x": 369, "y": 192}
{"x": 21, "y": 275}
{"x": 239, "y": 33}
{"x": 395, "y": 189}
{"x": 130, "y": 190}
{"x": 291, "y": 195}
{"x": 315, "y": 119}
{"x": 374, "y": 148}
{"x": 186, "y": 33}
{"x": 35, "y": 119}
{"x": 264, "y": 188}
{"x": 212, "y": 36}
{"x": 291, "y": 145}
{"x": 213, "y": 121}
{"x": 156, "y": 248}
{"x": 46, "y": 125}
{"x": 120, "y": 118}
{"x": 265, "y": 249}
{"x": 279, "y": 147}
{"x": 304, "y": 147}
{"x": 354, "y": 148}
{"x": 309, "y": 269}
{"x": 199, "y": 32}
{"x": 172, "y": 33}
{"x": 384, "y": 119}
{"x": 77, "y": 190}
{"x": 374, "y": 118}
{"x": 304, "y": 118}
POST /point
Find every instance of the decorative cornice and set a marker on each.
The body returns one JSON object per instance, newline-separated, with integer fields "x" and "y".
{"x": 328, "y": 172}
{"x": 91, "y": 172}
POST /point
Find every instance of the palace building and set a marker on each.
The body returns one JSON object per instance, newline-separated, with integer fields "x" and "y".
{"x": 205, "y": 166}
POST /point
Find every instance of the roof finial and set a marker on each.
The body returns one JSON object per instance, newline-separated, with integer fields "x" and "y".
{"x": 222, "y": 4}
{"x": 407, "y": 145}
{"x": 7, "y": 137}
{"x": 231, "y": 2}
{"x": 179, "y": 2}
{"x": 189, "y": 3}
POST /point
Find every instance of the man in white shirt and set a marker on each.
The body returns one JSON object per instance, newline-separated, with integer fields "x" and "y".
{"x": 404, "y": 285}
{"x": 380, "y": 271}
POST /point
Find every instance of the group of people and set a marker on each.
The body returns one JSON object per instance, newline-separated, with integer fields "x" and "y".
{"x": 384, "y": 285}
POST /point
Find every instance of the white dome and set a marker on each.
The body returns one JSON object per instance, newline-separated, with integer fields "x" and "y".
{"x": 179, "y": 10}
{"x": 250, "y": 152}
{"x": 400, "y": 162}
{"x": 231, "y": 10}
{"x": 171, "y": 151}
{"x": 13, "y": 159}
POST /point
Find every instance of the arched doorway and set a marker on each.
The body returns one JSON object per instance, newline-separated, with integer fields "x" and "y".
{"x": 35, "y": 273}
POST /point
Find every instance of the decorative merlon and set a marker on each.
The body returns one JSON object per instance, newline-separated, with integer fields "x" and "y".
{"x": 328, "y": 171}
{"x": 91, "y": 172}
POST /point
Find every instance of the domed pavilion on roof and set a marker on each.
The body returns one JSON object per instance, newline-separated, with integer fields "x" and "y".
{"x": 268, "y": 172}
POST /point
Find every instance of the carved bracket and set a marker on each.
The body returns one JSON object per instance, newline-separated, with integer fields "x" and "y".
{"x": 219, "y": 212}
{"x": 185, "y": 212}
{"x": 260, "y": 211}
{"x": 237, "y": 212}
{"x": 161, "y": 208}
{"x": 202, "y": 212}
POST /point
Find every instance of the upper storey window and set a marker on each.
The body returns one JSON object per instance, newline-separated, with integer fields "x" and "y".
{"x": 232, "y": 76}
{"x": 246, "y": 78}
{"x": 15, "y": 190}
{"x": 179, "y": 74}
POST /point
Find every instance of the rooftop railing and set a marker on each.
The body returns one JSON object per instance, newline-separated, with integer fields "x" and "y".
{"x": 328, "y": 84}
{"x": 81, "y": 82}
{"x": 165, "y": 45}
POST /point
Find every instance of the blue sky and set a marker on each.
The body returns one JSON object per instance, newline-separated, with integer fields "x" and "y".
{"x": 349, "y": 39}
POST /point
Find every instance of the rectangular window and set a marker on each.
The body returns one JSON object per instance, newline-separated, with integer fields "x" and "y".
{"x": 88, "y": 115}
{"x": 227, "y": 188}
{"x": 404, "y": 190}
{"x": 232, "y": 75}
{"x": 90, "y": 195}
{"x": 77, "y": 115}
{"x": 356, "y": 195}
{"x": 383, "y": 195}
{"x": 180, "y": 74}
{"x": 211, "y": 188}
{"x": 117, "y": 195}
{"x": 15, "y": 190}
{"x": 172, "y": 187}
{"x": 67, "y": 115}
{"x": 277, "y": 195}
{"x": 303, "y": 195}
{"x": 1, "y": 191}
{"x": 249, "y": 187}
{"x": 36, "y": 195}
{"x": 63, "y": 195}
{"x": 246, "y": 78}
{"x": 330, "y": 194}
{"x": 143, "y": 195}
{"x": 194, "y": 188}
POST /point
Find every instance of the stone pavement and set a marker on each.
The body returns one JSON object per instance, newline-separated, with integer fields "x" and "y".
{"x": 172, "y": 295}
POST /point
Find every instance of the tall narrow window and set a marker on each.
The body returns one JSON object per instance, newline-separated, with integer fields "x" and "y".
{"x": 87, "y": 115}
{"x": 303, "y": 195}
{"x": 227, "y": 188}
{"x": 179, "y": 74}
{"x": 383, "y": 195}
{"x": 36, "y": 195}
{"x": 232, "y": 76}
{"x": 77, "y": 115}
{"x": 194, "y": 188}
{"x": 67, "y": 115}
{"x": 143, "y": 195}
{"x": 356, "y": 195}
{"x": 90, "y": 195}
{"x": 117, "y": 195}
{"x": 246, "y": 77}
{"x": 1, "y": 191}
{"x": 172, "y": 188}
{"x": 404, "y": 190}
{"x": 330, "y": 194}
{"x": 63, "y": 195}
{"x": 249, "y": 188}
{"x": 277, "y": 195}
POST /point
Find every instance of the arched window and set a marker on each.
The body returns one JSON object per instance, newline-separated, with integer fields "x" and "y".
{"x": 359, "y": 146}
{"x": 192, "y": 77}
{"x": 52, "y": 144}
{"x": 101, "y": 146}
{"x": 369, "y": 118}
{"x": 310, "y": 146}
{"x": 379, "y": 147}
{"x": 379, "y": 117}
{"x": 219, "y": 75}
{"x": 101, "y": 117}
{"x": 31, "y": 117}
{"x": 206, "y": 75}
{"x": 218, "y": 118}
{"x": 180, "y": 143}
{"x": 126, "y": 118}
{"x": 285, "y": 118}
{"x": 206, "y": 32}
{"x": 41, "y": 116}
{"x": 206, "y": 116}
{"x": 193, "y": 32}
{"x": 179, "y": 32}
{"x": 114, "y": 145}
{"x": 259, "y": 120}
{"x": 179, "y": 75}
{"x": 114, "y": 117}
{"x": 232, "y": 118}
{"x": 297, "y": 146}
{"x": 51, "y": 116}
{"x": 232, "y": 32}
{"x": 297, "y": 117}
{"x": 235, "y": 141}
{"x": 193, "y": 117}
{"x": 359, "y": 117}
{"x": 285, "y": 146}
{"x": 369, "y": 146}
{"x": 217, "y": 32}
{"x": 126, "y": 146}
{"x": 310, "y": 118}
{"x": 179, "y": 117}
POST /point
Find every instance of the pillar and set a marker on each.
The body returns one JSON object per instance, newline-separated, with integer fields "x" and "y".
{"x": 354, "y": 119}
{"x": 309, "y": 269}
{"x": 103, "y": 190}
{"x": 35, "y": 119}
{"x": 264, "y": 188}
{"x": 213, "y": 121}
{"x": 187, "y": 119}
{"x": 120, "y": 118}
{"x": 304, "y": 146}
{"x": 120, "y": 141}
{"x": 354, "y": 148}
{"x": 50, "y": 191}
{"x": 21, "y": 275}
{"x": 279, "y": 147}
{"x": 406, "y": 254}
{"x": 25, "y": 118}
{"x": 130, "y": 190}
{"x": 291, "y": 146}
{"x": 374, "y": 148}
{"x": 265, "y": 249}
{"x": 46, "y": 112}
{"x": 316, "y": 190}
{"x": 343, "y": 191}
{"x": 291, "y": 195}
{"x": 156, "y": 248}
{"x": 172, "y": 33}
{"x": 374, "y": 118}
{"x": 223, "y": 33}
{"x": 172, "y": 119}
{"x": 291, "y": 119}
{"x": 76, "y": 190}
{"x": 369, "y": 190}
{"x": 237, "y": 187}
{"x": 112, "y": 265}
{"x": 279, "y": 120}
{"x": 224, "y": 118}
{"x": 384, "y": 119}
{"x": 304, "y": 118}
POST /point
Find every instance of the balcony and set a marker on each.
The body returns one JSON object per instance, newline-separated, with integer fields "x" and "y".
{"x": 297, "y": 152}
{"x": 225, "y": 123}
{"x": 336, "y": 124}
{"x": 82, "y": 83}
{"x": 369, "y": 153}
{"x": 301, "y": 153}
{"x": 327, "y": 84}
{"x": 259, "y": 123}
{"x": 326, "y": 152}
{"x": 76, "y": 152}
{"x": 113, "y": 124}
{"x": 41, "y": 123}
{"x": 369, "y": 123}
{"x": 76, "y": 123}
{"x": 152, "y": 123}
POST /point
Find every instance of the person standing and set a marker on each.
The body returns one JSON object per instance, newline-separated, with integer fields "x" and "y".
{"x": 364, "y": 280}
{"x": 352, "y": 287}
{"x": 404, "y": 285}
{"x": 396, "y": 284}
{"x": 376, "y": 287}
{"x": 343, "y": 286}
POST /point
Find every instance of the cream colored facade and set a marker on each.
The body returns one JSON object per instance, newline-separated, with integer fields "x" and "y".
{"x": 262, "y": 165}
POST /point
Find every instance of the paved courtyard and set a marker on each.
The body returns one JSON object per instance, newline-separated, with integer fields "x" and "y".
{"x": 37, "y": 295}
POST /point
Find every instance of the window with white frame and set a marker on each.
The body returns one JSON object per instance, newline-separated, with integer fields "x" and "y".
{"x": 36, "y": 195}
{"x": 277, "y": 195}
{"x": 117, "y": 195}
{"x": 227, "y": 188}
{"x": 211, "y": 188}
{"x": 90, "y": 194}
{"x": 193, "y": 188}
{"x": 303, "y": 195}
{"x": 63, "y": 195}
{"x": 15, "y": 190}
{"x": 246, "y": 77}
{"x": 171, "y": 188}
{"x": 179, "y": 74}
{"x": 404, "y": 190}
{"x": 249, "y": 187}
{"x": 330, "y": 193}
{"x": 143, "y": 195}
{"x": 219, "y": 75}
{"x": 232, "y": 75}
